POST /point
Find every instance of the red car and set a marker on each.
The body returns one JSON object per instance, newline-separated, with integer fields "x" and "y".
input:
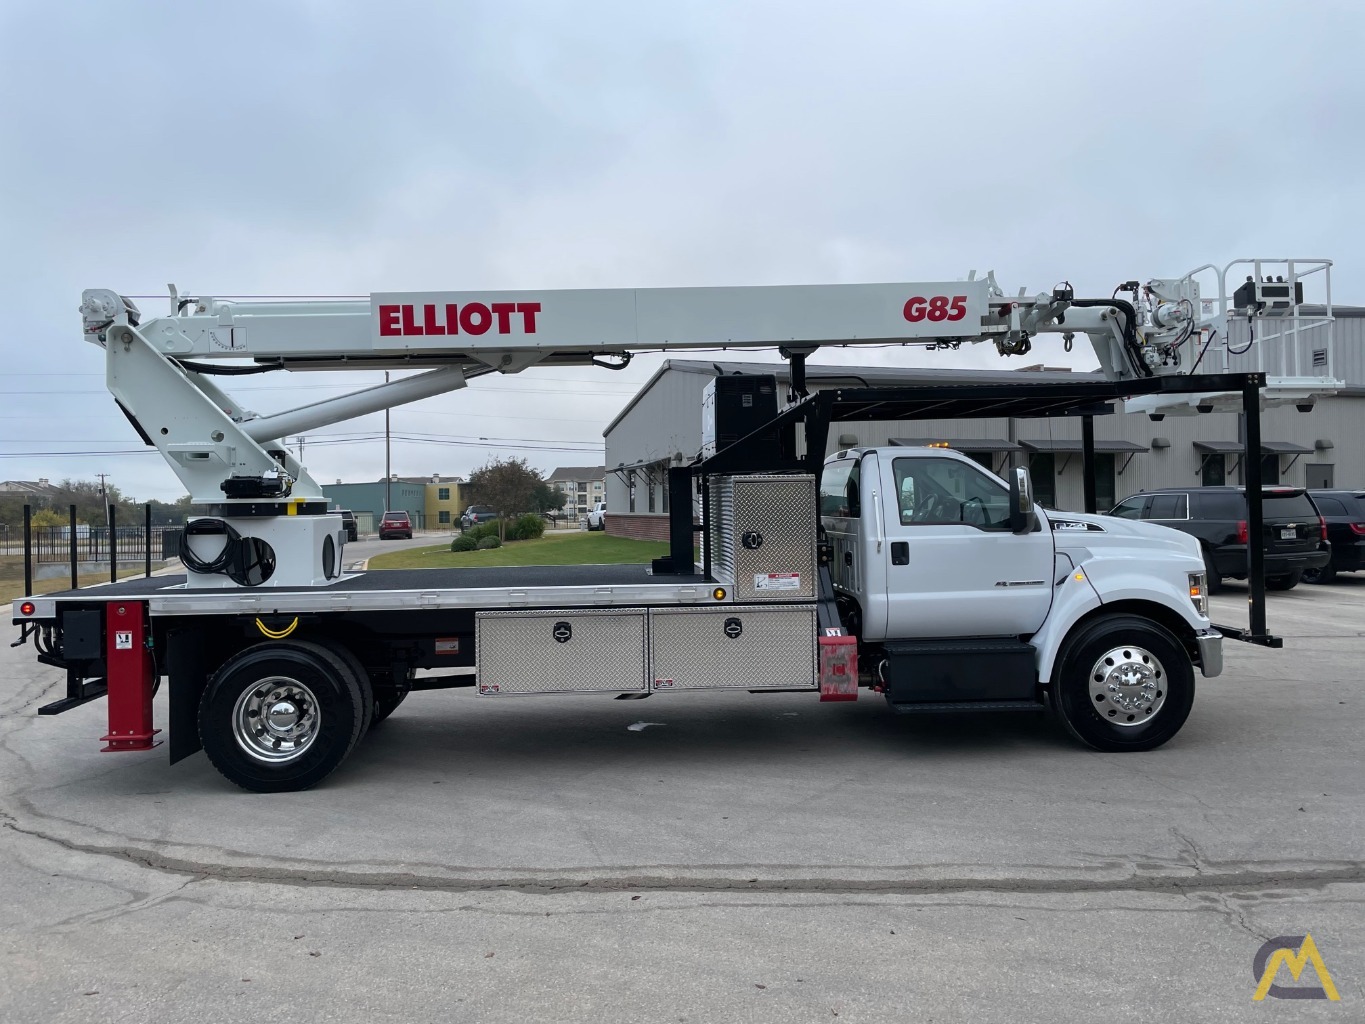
{"x": 395, "y": 525}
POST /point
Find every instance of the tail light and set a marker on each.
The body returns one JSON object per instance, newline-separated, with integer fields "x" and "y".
{"x": 1322, "y": 524}
{"x": 1243, "y": 537}
{"x": 1358, "y": 529}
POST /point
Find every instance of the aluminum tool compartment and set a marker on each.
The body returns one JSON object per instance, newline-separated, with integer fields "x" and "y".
{"x": 743, "y": 647}
{"x": 560, "y": 651}
{"x": 763, "y": 535}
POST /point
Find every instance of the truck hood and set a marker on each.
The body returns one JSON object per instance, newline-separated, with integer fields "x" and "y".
{"x": 1074, "y": 531}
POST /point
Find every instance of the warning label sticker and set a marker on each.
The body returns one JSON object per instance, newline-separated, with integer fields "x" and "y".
{"x": 777, "y": 581}
{"x": 123, "y": 641}
{"x": 448, "y": 645}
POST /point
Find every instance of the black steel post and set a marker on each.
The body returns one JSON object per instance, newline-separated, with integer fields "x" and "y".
{"x": 681, "y": 536}
{"x": 75, "y": 577}
{"x": 113, "y": 546}
{"x": 1251, "y": 466}
{"x": 28, "y": 550}
{"x": 706, "y": 526}
{"x": 1088, "y": 462}
{"x": 147, "y": 537}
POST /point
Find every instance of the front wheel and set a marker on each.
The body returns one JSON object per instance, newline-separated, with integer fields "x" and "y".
{"x": 1123, "y": 683}
{"x": 281, "y": 716}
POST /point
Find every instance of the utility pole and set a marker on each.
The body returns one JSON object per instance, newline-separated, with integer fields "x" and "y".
{"x": 388, "y": 462}
{"x": 301, "y": 440}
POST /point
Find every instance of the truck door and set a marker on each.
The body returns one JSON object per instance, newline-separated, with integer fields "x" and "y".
{"x": 952, "y": 566}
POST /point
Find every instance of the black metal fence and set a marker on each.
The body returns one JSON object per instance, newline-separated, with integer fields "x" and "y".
{"x": 130, "y": 543}
{"x": 81, "y": 546}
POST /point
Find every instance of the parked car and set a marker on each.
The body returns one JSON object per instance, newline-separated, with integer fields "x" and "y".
{"x": 348, "y": 521}
{"x": 597, "y": 518}
{"x": 476, "y": 514}
{"x": 1294, "y": 534}
{"x": 395, "y": 525}
{"x": 1344, "y": 513}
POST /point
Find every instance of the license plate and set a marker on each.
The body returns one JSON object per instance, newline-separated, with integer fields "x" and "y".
{"x": 1289, "y": 533}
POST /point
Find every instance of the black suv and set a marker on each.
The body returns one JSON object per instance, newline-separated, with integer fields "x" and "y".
{"x": 1344, "y": 513}
{"x": 1295, "y": 536}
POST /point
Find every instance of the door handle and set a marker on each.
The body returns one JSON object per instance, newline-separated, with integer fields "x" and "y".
{"x": 900, "y": 552}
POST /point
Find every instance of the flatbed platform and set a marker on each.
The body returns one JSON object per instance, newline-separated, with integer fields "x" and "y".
{"x": 522, "y": 586}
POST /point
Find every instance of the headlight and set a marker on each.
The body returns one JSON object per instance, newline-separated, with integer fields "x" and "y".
{"x": 1199, "y": 593}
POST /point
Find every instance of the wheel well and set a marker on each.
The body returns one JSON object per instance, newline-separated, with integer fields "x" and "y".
{"x": 1159, "y": 613}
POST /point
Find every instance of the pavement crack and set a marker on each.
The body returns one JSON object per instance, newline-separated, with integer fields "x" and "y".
{"x": 1229, "y": 878}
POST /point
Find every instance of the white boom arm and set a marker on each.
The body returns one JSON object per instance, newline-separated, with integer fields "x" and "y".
{"x": 229, "y": 457}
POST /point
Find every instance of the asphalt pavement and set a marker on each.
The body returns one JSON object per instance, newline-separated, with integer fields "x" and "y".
{"x": 740, "y": 857}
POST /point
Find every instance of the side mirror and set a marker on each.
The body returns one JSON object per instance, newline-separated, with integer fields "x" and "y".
{"x": 1023, "y": 519}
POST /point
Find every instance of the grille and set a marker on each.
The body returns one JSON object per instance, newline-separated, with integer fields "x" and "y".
{"x": 740, "y": 648}
{"x": 763, "y": 536}
{"x": 518, "y": 652}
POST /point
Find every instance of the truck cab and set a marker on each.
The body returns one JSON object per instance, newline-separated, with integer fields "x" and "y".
{"x": 966, "y": 595}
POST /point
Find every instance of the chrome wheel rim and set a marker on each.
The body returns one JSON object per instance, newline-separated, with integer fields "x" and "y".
{"x": 1128, "y": 686}
{"x": 276, "y": 720}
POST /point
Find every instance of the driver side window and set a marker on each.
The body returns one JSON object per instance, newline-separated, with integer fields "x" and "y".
{"x": 935, "y": 491}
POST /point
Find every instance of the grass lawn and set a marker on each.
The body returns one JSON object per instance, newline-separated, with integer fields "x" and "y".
{"x": 569, "y": 548}
{"x": 13, "y": 589}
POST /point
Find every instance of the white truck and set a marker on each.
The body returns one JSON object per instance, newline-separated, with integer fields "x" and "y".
{"x": 911, "y": 573}
{"x": 597, "y": 516}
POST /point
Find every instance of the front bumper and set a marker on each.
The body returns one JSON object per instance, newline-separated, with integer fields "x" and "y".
{"x": 1210, "y": 645}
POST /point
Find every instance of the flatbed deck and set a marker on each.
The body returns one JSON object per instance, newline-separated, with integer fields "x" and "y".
{"x": 522, "y": 586}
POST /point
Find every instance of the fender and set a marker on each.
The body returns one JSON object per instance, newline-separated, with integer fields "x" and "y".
{"x": 1109, "y": 581}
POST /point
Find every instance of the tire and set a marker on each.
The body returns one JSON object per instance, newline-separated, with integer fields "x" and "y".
{"x": 1215, "y": 582}
{"x": 294, "y": 671}
{"x": 1324, "y": 575}
{"x": 1287, "y": 582}
{"x": 1107, "y": 651}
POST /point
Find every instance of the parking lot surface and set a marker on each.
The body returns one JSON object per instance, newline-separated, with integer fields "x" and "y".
{"x": 741, "y": 857}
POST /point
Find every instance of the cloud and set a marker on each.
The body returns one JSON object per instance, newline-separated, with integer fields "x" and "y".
{"x": 324, "y": 148}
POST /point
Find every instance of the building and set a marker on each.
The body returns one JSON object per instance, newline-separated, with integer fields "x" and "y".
{"x": 369, "y": 500}
{"x": 661, "y": 426}
{"x": 444, "y": 498}
{"x": 40, "y": 490}
{"x": 582, "y": 487}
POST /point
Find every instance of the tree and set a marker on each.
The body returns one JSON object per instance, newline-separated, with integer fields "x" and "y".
{"x": 507, "y": 486}
{"x": 547, "y": 498}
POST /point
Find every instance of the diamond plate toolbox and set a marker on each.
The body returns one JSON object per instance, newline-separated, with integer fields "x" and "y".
{"x": 741, "y": 648}
{"x": 763, "y": 528}
{"x": 570, "y": 651}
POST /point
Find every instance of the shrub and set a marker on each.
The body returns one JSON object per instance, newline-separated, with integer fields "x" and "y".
{"x": 527, "y": 527}
{"x": 488, "y": 543}
{"x": 477, "y": 533}
{"x": 463, "y": 544}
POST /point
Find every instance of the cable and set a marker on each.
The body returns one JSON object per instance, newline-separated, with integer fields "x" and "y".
{"x": 1251, "y": 340}
{"x": 227, "y": 371}
{"x": 247, "y": 561}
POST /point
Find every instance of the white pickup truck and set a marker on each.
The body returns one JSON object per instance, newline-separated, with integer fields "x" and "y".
{"x": 597, "y": 518}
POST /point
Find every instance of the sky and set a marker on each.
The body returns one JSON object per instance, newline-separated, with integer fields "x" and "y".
{"x": 335, "y": 148}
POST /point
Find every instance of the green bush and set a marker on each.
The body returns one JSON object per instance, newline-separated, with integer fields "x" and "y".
{"x": 488, "y": 543}
{"x": 527, "y": 527}
{"x": 463, "y": 544}
{"x": 477, "y": 533}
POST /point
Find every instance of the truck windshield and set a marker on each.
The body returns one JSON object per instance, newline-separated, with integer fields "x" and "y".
{"x": 936, "y": 491}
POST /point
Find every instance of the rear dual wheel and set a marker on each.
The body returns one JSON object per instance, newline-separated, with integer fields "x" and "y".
{"x": 282, "y": 716}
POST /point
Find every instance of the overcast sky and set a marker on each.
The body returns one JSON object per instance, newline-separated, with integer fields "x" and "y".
{"x": 325, "y": 147}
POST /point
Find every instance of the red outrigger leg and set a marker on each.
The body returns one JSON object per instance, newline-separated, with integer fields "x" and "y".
{"x": 130, "y": 677}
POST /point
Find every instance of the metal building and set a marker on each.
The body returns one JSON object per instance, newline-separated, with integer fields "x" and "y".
{"x": 661, "y": 426}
